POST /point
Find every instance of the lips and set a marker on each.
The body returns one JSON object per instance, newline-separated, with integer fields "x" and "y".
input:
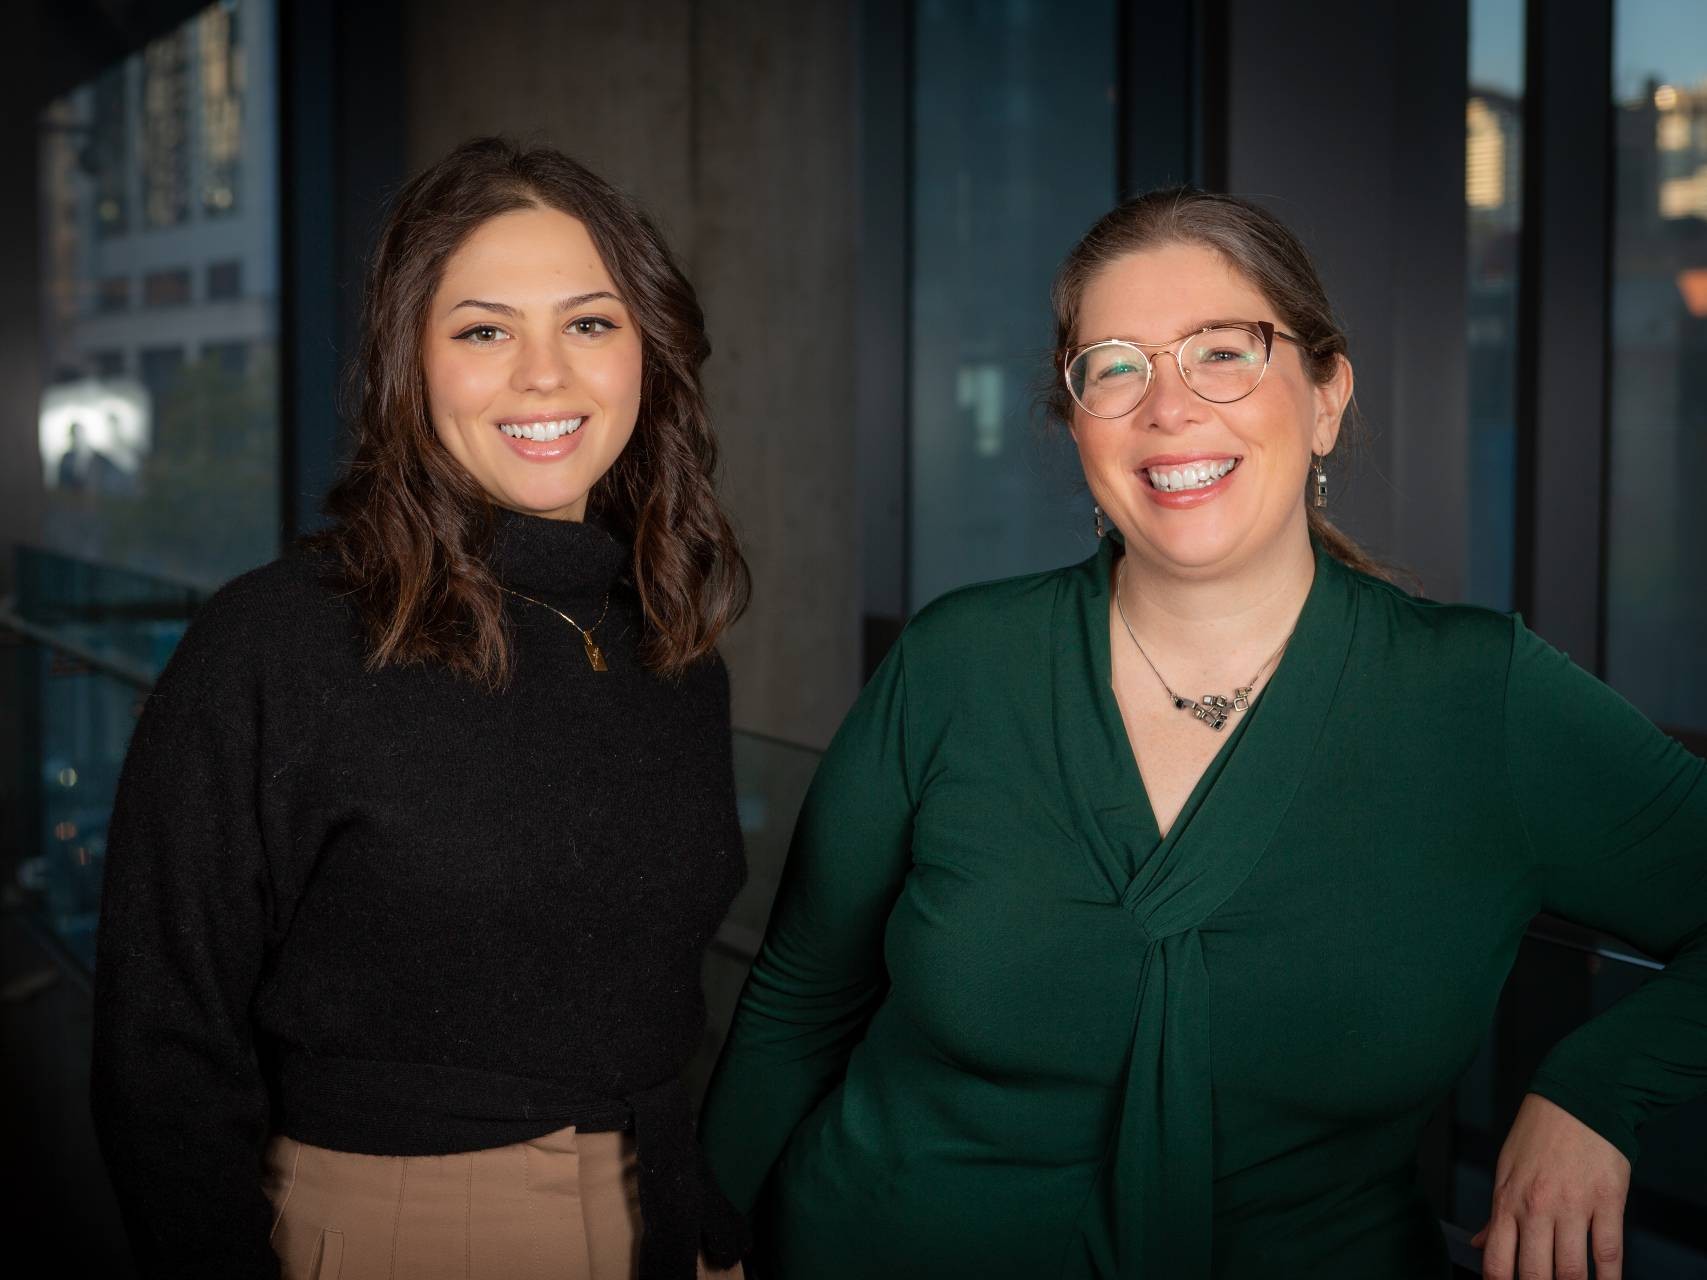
{"x": 1182, "y": 481}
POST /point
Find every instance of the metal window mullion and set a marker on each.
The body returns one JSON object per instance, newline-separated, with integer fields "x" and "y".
{"x": 1564, "y": 326}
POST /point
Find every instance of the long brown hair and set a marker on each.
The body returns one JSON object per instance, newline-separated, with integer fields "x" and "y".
{"x": 1258, "y": 246}
{"x": 414, "y": 529}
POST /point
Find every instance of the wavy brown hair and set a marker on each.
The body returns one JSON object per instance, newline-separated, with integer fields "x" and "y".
{"x": 414, "y": 530}
{"x": 1259, "y": 247}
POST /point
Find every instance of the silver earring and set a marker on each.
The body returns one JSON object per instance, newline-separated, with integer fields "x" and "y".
{"x": 1100, "y": 530}
{"x": 1321, "y": 484}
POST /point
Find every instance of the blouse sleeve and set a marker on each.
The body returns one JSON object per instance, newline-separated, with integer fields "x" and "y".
{"x": 1616, "y": 816}
{"x": 180, "y": 1105}
{"x": 820, "y": 972}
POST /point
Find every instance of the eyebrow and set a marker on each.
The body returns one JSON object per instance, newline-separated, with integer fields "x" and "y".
{"x": 1196, "y": 328}
{"x": 563, "y": 304}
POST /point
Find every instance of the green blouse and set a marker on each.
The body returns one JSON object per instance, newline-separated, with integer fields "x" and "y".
{"x": 1000, "y": 1026}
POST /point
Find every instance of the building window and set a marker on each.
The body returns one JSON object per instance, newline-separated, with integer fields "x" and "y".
{"x": 1012, "y": 162}
{"x": 107, "y": 364}
{"x": 224, "y": 281}
{"x": 166, "y": 288}
{"x": 108, "y": 154}
{"x": 1656, "y": 525}
{"x": 166, "y": 131}
{"x": 227, "y": 357}
{"x": 188, "y": 124}
{"x": 112, "y": 295}
{"x": 222, "y": 84}
{"x": 161, "y": 368}
{"x": 1493, "y": 199}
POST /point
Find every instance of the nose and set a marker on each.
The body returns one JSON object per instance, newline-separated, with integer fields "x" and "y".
{"x": 540, "y": 366}
{"x": 1170, "y": 404}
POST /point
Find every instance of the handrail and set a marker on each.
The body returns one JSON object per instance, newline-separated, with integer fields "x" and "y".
{"x": 1573, "y": 937}
{"x": 112, "y": 664}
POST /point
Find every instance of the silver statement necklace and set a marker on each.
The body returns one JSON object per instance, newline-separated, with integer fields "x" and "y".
{"x": 1214, "y": 708}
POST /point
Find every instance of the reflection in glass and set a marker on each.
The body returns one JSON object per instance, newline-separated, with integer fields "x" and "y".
{"x": 222, "y": 108}
{"x": 1013, "y": 158}
{"x": 1657, "y": 526}
{"x": 1493, "y": 198}
{"x": 172, "y": 314}
{"x": 166, "y": 131}
{"x": 117, "y": 629}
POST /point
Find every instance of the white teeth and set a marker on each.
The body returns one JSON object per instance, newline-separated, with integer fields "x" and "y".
{"x": 1193, "y": 475}
{"x": 541, "y": 431}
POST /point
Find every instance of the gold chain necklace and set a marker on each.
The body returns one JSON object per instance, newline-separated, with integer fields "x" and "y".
{"x": 595, "y": 659}
{"x": 1214, "y": 708}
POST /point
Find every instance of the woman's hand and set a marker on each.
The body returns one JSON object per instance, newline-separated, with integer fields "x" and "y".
{"x": 1557, "y": 1186}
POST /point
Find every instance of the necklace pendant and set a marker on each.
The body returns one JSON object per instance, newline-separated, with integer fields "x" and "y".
{"x": 595, "y": 659}
{"x": 1212, "y": 710}
{"x": 1242, "y": 699}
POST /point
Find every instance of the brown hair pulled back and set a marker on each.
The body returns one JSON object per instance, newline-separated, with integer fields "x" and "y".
{"x": 414, "y": 529}
{"x": 1257, "y": 245}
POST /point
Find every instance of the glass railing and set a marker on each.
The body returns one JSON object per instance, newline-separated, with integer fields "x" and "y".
{"x": 94, "y": 639}
{"x": 771, "y": 777}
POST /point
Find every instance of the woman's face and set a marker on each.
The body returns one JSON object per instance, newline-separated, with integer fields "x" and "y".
{"x": 1161, "y": 295}
{"x": 533, "y": 363}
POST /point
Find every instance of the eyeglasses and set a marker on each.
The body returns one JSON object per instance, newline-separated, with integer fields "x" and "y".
{"x": 1221, "y": 363}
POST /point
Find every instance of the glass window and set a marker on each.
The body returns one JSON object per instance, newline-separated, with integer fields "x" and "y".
{"x": 109, "y": 152}
{"x": 166, "y": 288}
{"x": 231, "y": 357}
{"x": 1656, "y": 627}
{"x": 1014, "y": 158}
{"x": 222, "y": 85}
{"x": 166, "y": 130}
{"x": 1493, "y": 197}
{"x": 172, "y": 470}
{"x": 113, "y": 294}
{"x": 224, "y": 281}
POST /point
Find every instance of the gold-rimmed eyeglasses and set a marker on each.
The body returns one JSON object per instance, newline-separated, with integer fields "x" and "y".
{"x": 1220, "y": 362}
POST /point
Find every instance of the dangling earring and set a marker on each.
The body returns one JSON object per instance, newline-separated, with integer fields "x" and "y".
{"x": 1100, "y": 530}
{"x": 1321, "y": 484}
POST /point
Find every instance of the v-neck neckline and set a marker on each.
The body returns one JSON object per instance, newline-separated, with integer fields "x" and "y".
{"x": 1221, "y": 831}
{"x": 1212, "y": 769}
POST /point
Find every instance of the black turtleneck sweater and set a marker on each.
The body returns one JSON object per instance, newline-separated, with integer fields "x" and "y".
{"x": 390, "y": 912}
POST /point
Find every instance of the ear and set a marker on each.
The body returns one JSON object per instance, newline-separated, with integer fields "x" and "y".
{"x": 1331, "y": 397}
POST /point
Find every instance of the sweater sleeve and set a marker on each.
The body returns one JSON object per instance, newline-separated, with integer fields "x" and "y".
{"x": 1616, "y": 814}
{"x": 179, "y": 1102}
{"x": 820, "y": 972}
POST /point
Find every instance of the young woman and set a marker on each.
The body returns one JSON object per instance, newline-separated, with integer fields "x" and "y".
{"x": 1143, "y": 911}
{"x": 424, "y": 830}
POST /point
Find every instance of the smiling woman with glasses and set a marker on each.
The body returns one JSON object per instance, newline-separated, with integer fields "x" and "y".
{"x": 1142, "y": 912}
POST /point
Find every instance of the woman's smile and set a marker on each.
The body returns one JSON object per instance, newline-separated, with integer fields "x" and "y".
{"x": 1181, "y": 481}
{"x": 534, "y": 438}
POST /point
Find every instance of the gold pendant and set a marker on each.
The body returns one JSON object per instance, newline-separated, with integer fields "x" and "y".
{"x": 594, "y": 657}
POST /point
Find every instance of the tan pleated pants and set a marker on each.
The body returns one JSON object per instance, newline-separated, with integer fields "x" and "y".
{"x": 562, "y": 1207}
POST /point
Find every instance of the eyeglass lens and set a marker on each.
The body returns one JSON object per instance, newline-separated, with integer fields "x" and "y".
{"x": 1221, "y": 365}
